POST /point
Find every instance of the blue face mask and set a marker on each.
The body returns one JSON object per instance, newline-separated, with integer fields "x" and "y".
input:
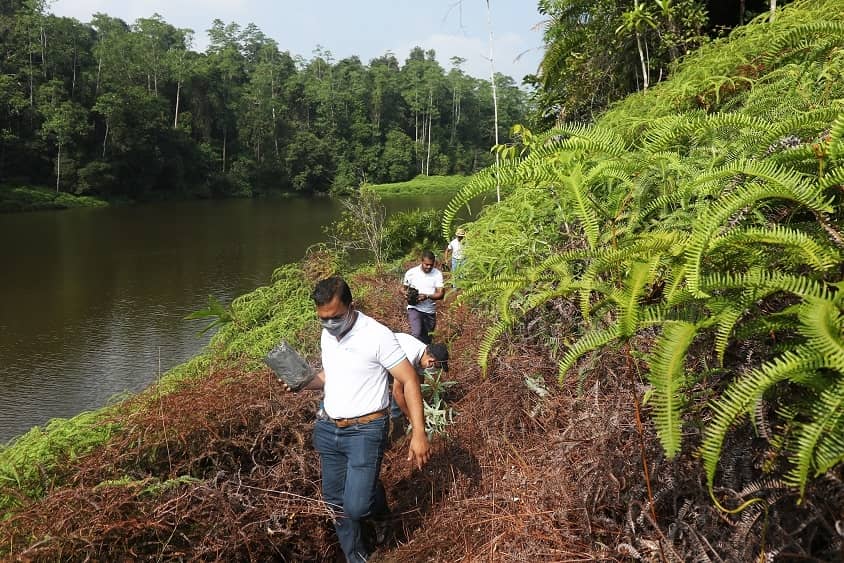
{"x": 337, "y": 327}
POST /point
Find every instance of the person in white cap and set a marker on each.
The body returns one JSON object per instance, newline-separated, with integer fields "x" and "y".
{"x": 455, "y": 251}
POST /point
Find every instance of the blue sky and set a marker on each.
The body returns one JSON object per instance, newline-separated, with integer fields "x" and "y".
{"x": 367, "y": 28}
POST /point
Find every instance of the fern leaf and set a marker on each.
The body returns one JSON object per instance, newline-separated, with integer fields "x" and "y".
{"x": 777, "y": 183}
{"x": 817, "y": 254}
{"x": 827, "y": 415}
{"x": 742, "y": 393}
{"x": 491, "y": 336}
{"x": 821, "y": 323}
{"x": 628, "y": 300}
{"x": 667, "y": 375}
{"x": 590, "y": 341}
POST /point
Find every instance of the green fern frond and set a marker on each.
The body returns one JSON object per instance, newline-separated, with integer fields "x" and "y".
{"x": 776, "y": 183}
{"x": 590, "y": 341}
{"x": 833, "y": 179}
{"x": 493, "y": 333}
{"x": 584, "y": 208}
{"x": 796, "y": 39}
{"x": 830, "y": 448}
{"x": 591, "y": 139}
{"x": 641, "y": 274}
{"x": 814, "y": 120}
{"x": 836, "y": 137}
{"x": 742, "y": 393}
{"x": 725, "y": 124}
{"x": 494, "y": 286}
{"x": 801, "y": 156}
{"x": 667, "y": 375}
{"x": 817, "y": 254}
{"x": 822, "y": 324}
{"x": 481, "y": 183}
{"x": 769, "y": 281}
{"x": 727, "y": 319}
{"x": 827, "y": 416}
{"x": 662, "y": 132}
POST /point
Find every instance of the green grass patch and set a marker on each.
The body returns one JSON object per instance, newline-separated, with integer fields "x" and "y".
{"x": 33, "y": 198}
{"x": 422, "y": 185}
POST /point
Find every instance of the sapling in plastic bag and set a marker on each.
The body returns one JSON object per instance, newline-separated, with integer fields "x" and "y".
{"x": 289, "y": 366}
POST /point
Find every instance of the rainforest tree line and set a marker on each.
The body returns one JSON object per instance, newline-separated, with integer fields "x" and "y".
{"x": 131, "y": 110}
{"x": 599, "y": 51}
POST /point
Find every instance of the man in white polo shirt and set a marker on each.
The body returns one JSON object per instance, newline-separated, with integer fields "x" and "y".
{"x": 351, "y": 429}
{"x": 422, "y": 357}
{"x": 425, "y": 282}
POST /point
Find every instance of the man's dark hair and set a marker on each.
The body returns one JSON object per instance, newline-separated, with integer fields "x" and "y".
{"x": 440, "y": 354}
{"x": 326, "y": 289}
{"x": 428, "y": 254}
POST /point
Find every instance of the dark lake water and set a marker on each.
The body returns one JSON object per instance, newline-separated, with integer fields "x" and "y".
{"x": 92, "y": 301}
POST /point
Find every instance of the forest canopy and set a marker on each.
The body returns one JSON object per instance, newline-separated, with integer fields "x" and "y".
{"x": 131, "y": 110}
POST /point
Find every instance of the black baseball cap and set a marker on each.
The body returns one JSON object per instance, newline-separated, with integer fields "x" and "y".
{"x": 440, "y": 354}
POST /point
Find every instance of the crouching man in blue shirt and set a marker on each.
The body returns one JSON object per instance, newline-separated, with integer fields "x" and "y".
{"x": 351, "y": 429}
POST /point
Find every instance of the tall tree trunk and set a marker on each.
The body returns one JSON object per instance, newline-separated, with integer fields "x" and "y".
{"x": 73, "y": 83}
{"x": 645, "y": 77}
{"x": 430, "y": 126}
{"x": 43, "y": 53}
{"x": 225, "y": 136}
{"x": 59, "y": 167}
{"x": 31, "y": 79}
{"x": 178, "y": 93}
{"x": 99, "y": 71}
{"x": 155, "y": 71}
{"x": 419, "y": 160}
{"x": 773, "y": 9}
{"x": 105, "y": 138}
{"x": 741, "y": 12}
{"x": 416, "y": 124}
{"x": 494, "y": 99}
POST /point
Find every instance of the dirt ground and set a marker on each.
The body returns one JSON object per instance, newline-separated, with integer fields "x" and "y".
{"x": 529, "y": 471}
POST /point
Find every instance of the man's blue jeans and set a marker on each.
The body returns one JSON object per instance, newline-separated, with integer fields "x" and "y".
{"x": 351, "y": 463}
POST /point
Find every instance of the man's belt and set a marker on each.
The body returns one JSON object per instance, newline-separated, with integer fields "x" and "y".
{"x": 346, "y": 422}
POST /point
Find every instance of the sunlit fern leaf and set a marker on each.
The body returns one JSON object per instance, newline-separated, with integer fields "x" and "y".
{"x": 776, "y": 183}
{"x": 742, "y": 394}
{"x": 795, "y": 40}
{"x": 836, "y": 136}
{"x": 481, "y": 183}
{"x": 667, "y": 375}
{"x": 833, "y": 179}
{"x": 818, "y": 255}
{"x": 728, "y": 125}
{"x": 493, "y": 333}
{"x": 830, "y": 448}
{"x": 664, "y": 131}
{"x": 590, "y": 341}
{"x": 494, "y": 287}
{"x": 815, "y": 120}
{"x": 822, "y": 324}
{"x": 592, "y": 139}
{"x": 818, "y": 442}
{"x": 770, "y": 281}
{"x": 801, "y": 156}
{"x": 727, "y": 319}
{"x": 585, "y": 209}
{"x": 630, "y": 297}
{"x": 773, "y": 323}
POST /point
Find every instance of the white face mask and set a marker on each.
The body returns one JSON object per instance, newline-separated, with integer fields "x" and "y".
{"x": 338, "y": 327}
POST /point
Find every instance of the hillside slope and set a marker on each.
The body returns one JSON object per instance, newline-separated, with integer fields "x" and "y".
{"x": 647, "y": 347}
